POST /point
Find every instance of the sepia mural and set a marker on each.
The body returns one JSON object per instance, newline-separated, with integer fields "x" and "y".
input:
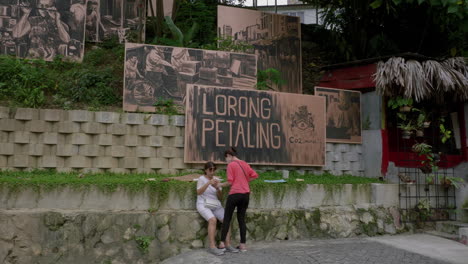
{"x": 120, "y": 18}
{"x": 276, "y": 40}
{"x": 168, "y": 5}
{"x": 153, "y": 72}
{"x": 42, "y": 28}
{"x": 266, "y": 127}
{"x": 343, "y": 114}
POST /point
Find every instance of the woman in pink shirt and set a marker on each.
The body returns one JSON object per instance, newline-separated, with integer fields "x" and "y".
{"x": 239, "y": 174}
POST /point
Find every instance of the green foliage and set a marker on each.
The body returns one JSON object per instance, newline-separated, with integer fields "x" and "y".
{"x": 455, "y": 181}
{"x": 397, "y": 102}
{"x": 226, "y": 43}
{"x": 269, "y": 79}
{"x": 109, "y": 182}
{"x": 364, "y": 29}
{"x": 445, "y": 133}
{"x": 152, "y": 210}
{"x": 165, "y": 106}
{"x": 98, "y": 81}
{"x": 422, "y": 148}
{"x": 425, "y": 150}
{"x": 143, "y": 243}
{"x": 189, "y": 17}
{"x": 407, "y": 126}
{"x": 178, "y": 39}
{"x": 465, "y": 204}
{"x": 366, "y": 123}
{"x": 423, "y": 207}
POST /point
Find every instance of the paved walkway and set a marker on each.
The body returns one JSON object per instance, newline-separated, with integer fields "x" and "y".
{"x": 418, "y": 248}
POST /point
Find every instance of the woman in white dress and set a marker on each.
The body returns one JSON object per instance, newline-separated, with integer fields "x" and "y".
{"x": 209, "y": 189}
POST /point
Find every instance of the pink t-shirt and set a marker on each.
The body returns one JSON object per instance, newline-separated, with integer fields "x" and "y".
{"x": 240, "y": 181}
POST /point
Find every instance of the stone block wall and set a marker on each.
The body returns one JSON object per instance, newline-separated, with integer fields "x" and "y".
{"x": 91, "y": 141}
{"x": 69, "y": 236}
{"x": 79, "y": 140}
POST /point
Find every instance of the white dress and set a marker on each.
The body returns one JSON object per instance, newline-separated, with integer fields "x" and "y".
{"x": 210, "y": 193}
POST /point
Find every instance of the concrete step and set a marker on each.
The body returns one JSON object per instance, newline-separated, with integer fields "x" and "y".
{"x": 463, "y": 235}
{"x": 450, "y": 227}
{"x": 442, "y": 235}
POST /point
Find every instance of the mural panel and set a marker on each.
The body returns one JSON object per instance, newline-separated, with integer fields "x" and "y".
{"x": 120, "y": 18}
{"x": 167, "y": 7}
{"x": 153, "y": 72}
{"x": 266, "y": 127}
{"x": 343, "y": 114}
{"x": 276, "y": 40}
{"x": 42, "y": 28}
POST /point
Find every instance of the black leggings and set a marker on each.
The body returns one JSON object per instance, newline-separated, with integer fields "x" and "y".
{"x": 241, "y": 201}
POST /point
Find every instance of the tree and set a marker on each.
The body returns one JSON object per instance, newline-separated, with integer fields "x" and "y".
{"x": 369, "y": 28}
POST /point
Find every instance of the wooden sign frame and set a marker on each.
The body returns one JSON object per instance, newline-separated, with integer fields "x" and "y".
{"x": 276, "y": 40}
{"x": 153, "y": 72}
{"x": 344, "y": 122}
{"x": 267, "y": 128}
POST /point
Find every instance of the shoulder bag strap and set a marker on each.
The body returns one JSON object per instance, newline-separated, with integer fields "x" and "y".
{"x": 238, "y": 163}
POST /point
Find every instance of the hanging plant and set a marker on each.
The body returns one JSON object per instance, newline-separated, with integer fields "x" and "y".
{"x": 403, "y": 104}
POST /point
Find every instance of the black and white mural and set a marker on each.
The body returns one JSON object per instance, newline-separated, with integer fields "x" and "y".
{"x": 120, "y": 18}
{"x": 153, "y": 72}
{"x": 42, "y": 28}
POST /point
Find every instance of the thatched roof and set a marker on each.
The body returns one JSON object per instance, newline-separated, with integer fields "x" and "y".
{"x": 423, "y": 80}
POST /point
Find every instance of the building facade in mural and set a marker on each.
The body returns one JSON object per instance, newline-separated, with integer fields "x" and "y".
{"x": 42, "y": 28}
{"x": 343, "y": 114}
{"x": 266, "y": 127}
{"x": 153, "y": 72}
{"x": 276, "y": 40}
{"x": 168, "y": 5}
{"x": 120, "y": 18}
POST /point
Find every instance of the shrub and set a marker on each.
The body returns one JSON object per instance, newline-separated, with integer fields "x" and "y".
{"x": 97, "y": 81}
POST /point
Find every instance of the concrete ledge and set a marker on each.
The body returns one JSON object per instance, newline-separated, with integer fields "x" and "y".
{"x": 93, "y": 198}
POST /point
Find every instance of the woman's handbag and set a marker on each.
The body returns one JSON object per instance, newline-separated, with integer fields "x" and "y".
{"x": 212, "y": 203}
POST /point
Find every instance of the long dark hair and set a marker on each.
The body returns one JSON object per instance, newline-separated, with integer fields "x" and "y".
{"x": 231, "y": 151}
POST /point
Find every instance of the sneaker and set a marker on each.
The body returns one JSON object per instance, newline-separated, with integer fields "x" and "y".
{"x": 231, "y": 249}
{"x": 216, "y": 251}
{"x": 241, "y": 249}
{"x": 222, "y": 249}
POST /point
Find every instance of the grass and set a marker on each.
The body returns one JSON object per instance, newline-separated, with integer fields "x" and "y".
{"x": 158, "y": 191}
{"x": 50, "y": 178}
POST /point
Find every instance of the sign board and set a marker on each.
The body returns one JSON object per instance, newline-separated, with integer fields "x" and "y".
{"x": 154, "y": 72}
{"x": 276, "y": 40}
{"x": 265, "y": 127}
{"x": 343, "y": 114}
{"x": 119, "y": 18}
{"x": 43, "y": 29}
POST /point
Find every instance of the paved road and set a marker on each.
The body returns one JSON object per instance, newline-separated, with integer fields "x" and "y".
{"x": 380, "y": 250}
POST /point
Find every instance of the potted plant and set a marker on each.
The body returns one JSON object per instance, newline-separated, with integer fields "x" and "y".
{"x": 422, "y": 148}
{"x": 403, "y": 104}
{"x": 430, "y": 179}
{"x": 407, "y": 129}
{"x": 423, "y": 207}
{"x": 452, "y": 181}
{"x": 431, "y": 159}
{"x": 420, "y": 123}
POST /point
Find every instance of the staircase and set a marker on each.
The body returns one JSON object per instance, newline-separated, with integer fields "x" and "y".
{"x": 454, "y": 230}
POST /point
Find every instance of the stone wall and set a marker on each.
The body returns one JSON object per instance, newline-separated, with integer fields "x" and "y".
{"x": 38, "y": 236}
{"x": 91, "y": 141}
{"x": 119, "y": 142}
